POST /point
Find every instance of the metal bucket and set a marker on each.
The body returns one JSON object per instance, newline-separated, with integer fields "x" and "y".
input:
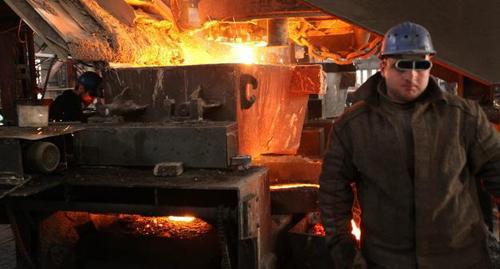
{"x": 32, "y": 116}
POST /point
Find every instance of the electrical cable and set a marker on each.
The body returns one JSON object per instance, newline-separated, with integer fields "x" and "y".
{"x": 19, "y": 32}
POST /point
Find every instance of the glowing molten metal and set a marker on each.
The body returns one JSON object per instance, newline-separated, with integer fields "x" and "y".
{"x": 181, "y": 219}
{"x": 293, "y": 186}
{"x": 355, "y": 230}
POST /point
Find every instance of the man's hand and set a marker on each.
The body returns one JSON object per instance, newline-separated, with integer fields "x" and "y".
{"x": 343, "y": 253}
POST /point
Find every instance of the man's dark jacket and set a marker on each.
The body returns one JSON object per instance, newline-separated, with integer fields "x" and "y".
{"x": 431, "y": 219}
{"x": 67, "y": 107}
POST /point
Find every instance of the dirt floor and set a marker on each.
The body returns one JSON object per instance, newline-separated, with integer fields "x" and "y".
{"x": 7, "y": 248}
{"x": 8, "y": 259}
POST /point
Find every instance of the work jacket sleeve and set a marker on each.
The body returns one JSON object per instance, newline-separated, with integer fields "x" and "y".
{"x": 336, "y": 200}
{"x": 56, "y": 110}
{"x": 484, "y": 154}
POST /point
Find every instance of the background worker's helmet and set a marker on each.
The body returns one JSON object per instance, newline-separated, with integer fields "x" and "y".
{"x": 91, "y": 81}
{"x": 407, "y": 38}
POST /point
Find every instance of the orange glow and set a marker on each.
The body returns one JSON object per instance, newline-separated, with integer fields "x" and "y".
{"x": 355, "y": 230}
{"x": 293, "y": 186}
{"x": 169, "y": 227}
{"x": 214, "y": 42}
{"x": 181, "y": 218}
{"x": 182, "y": 227}
{"x": 156, "y": 39}
{"x": 156, "y": 35}
{"x": 318, "y": 230}
{"x": 246, "y": 53}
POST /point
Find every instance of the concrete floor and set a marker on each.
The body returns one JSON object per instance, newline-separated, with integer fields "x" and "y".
{"x": 7, "y": 248}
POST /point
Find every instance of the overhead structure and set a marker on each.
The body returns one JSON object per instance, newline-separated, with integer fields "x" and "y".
{"x": 465, "y": 33}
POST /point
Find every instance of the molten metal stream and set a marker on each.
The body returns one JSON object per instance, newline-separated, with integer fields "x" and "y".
{"x": 293, "y": 186}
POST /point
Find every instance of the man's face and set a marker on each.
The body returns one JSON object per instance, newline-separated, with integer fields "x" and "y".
{"x": 86, "y": 98}
{"x": 405, "y": 85}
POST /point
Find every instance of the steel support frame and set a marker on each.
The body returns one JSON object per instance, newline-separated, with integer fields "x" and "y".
{"x": 245, "y": 203}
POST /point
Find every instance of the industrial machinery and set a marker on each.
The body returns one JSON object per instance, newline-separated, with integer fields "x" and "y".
{"x": 216, "y": 118}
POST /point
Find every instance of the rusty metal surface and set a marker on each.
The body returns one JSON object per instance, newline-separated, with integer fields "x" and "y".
{"x": 268, "y": 101}
{"x": 465, "y": 33}
{"x": 190, "y": 179}
{"x": 34, "y": 133}
{"x": 158, "y": 87}
{"x": 294, "y": 200}
{"x": 312, "y": 142}
{"x": 249, "y": 9}
{"x": 291, "y": 169}
{"x": 197, "y": 144}
{"x": 273, "y": 123}
{"x": 207, "y": 179}
{"x": 326, "y": 124}
{"x": 129, "y": 178}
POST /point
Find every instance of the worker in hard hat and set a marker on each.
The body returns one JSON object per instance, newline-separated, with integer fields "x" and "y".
{"x": 70, "y": 104}
{"x": 414, "y": 153}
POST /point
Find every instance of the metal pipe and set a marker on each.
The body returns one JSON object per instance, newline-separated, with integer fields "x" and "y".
{"x": 49, "y": 71}
{"x": 277, "y": 32}
{"x": 31, "y": 63}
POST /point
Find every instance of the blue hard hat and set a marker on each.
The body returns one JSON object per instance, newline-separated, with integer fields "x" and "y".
{"x": 407, "y": 38}
{"x": 91, "y": 81}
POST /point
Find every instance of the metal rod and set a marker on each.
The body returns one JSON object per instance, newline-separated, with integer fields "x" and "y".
{"x": 31, "y": 62}
{"x": 277, "y": 32}
{"x": 46, "y": 82}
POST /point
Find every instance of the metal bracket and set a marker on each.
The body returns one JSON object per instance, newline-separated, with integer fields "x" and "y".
{"x": 249, "y": 217}
{"x": 246, "y": 98}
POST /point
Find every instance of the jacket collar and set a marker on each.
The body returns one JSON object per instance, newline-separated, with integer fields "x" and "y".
{"x": 368, "y": 91}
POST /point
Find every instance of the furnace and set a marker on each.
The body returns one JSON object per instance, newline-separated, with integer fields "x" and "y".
{"x": 115, "y": 216}
{"x": 236, "y": 98}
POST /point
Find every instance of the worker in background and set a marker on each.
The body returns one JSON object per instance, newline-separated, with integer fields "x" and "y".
{"x": 70, "y": 104}
{"x": 413, "y": 152}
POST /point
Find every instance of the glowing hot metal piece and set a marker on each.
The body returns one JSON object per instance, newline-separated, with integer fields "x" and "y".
{"x": 181, "y": 218}
{"x": 293, "y": 185}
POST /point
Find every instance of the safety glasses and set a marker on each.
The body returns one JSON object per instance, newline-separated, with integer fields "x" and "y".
{"x": 408, "y": 65}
